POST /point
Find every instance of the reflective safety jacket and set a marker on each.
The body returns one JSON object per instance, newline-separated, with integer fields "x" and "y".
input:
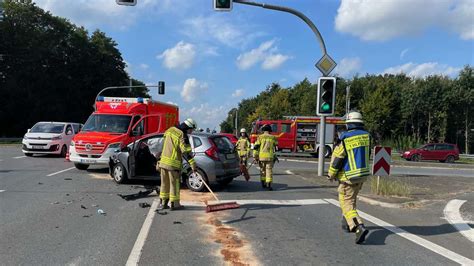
{"x": 350, "y": 159}
{"x": 264, "y": 148}
{"x": 243, "y": 146}
{"x": 175, "y": 148}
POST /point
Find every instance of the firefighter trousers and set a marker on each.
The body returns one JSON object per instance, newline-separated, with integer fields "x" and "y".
{"x": 170, "y": 185}
{"x": 347, "y": 199}
{"x": 266, "y": 171}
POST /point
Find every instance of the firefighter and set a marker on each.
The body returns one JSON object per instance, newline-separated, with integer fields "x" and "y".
{"x": 350, "y": 167}
{"x": 243, "y": 147}
{"x": 264, "y": 150}
{"x": 175, "y": 147}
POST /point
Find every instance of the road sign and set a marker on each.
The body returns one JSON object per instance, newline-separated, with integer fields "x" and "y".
{"x": 326, "y": 64}
{"x": 382, "y": 159}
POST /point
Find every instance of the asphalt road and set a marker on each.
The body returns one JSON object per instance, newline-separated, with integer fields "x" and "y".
{"x": 43, "y": 223}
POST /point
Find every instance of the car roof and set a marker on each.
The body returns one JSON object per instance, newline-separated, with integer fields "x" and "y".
{"x": 54, "y": 122}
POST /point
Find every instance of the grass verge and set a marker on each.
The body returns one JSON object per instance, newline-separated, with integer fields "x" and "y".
{"x": 388, "y": 187}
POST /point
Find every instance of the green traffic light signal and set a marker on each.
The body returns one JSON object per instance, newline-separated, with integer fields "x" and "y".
{"x": 326, "y": 95}
{"x": 325, "y": 107}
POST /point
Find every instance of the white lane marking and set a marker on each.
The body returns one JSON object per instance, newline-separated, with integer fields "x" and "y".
{"x": 261, "y": 202}
{"x": 62, "y": 171}
{"x": 136, "y": 252}
{"x": 452, "y": 214}
{"x": 289, "y": 172}
{"x": 2, "y": 191}
{"x": 19, "y": 157}
{"x": 413, "y": 238}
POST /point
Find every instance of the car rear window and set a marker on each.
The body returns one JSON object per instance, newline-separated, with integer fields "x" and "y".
{"x": 197, "y": 142}
{"x": 223, "y": 144}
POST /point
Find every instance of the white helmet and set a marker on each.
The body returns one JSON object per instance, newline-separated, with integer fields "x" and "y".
{"x": 243, "y": 130}
{"x": 190, "y": 123}
{"x": 354, "y": 117}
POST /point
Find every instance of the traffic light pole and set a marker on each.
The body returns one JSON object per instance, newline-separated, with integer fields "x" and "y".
{"x": 322, "y": 127}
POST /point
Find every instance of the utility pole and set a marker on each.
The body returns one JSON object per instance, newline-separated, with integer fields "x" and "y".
{"x": 326, "y": 64}
{"x": 348, "y": 99}
{"x": 236, "y": 121}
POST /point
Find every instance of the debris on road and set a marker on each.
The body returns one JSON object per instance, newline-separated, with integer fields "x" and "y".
{"x": 84, "y": 207}
{"x": 67, "y": 178}
{"x": 87, "y": 216}
{"x": 95, "y": 205}
{"x": 140, "y": 194}
{"x": 177, "y": 222}
{"x": 100, "y": 211}
{"x": 161, "y": 212}
{"x": 56, "y": 202}
{"x": 144, "y": 205}
{"x": 39, "y": 183}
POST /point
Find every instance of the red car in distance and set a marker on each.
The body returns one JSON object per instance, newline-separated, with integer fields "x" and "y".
{"x": 442, "y": 152}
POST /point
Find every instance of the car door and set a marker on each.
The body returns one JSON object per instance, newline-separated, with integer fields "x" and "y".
{"x": 427, "y": 152}
{"x": 68, "y": 134}
{"x": 145, "y": 155}
{"x": 439, "y": 152}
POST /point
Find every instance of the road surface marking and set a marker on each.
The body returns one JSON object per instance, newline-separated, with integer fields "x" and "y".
{"x": 62, "y": 171}
{"x": 100, "y": 176}
{"x": 452, "y": 214}
{"x": 19, "y": 157}
{"x": 2, "y": 191}
{"x": 413, "y": 238}
{"x": 136, "y": 252}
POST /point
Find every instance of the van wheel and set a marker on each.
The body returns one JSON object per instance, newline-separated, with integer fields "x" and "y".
{"x": 328, "y": 152}
{"x": 195, "y": 183}
{"x": 63, "y": 151}
{"x": 119, "y": 173}
{"x": 450, "y": 159}
{"x": 81, "y": 166}
{"x": 415, "y": 158}
{"x": 29, "y": 154}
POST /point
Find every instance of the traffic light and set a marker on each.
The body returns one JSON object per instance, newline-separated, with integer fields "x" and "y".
{"x": 126, "y": 2}
{"x": 223, "y": 5}
{"x": 326, "y": 96}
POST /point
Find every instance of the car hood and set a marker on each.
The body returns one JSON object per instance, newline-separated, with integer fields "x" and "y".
{"x": 103, "y": 137}
{"x": 41, "y": 135}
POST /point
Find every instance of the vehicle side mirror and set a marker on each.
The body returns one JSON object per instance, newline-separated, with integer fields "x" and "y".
{"x": 69, "y": 132}
{"x": 28, "y": 131}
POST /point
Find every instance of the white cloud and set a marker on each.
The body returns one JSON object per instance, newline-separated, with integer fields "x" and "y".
{"x": 205, "y": 115}
{"x": 238, "y": 93}
{"x": 219, "y": 28}
{"x": 144, "y": 66}
{"x": 423, "y": 70}
{"x": 192, "y": 89}
{"x": 403, "y": 53}
{"x": 347, "y": 67}
{"x": 265, "y": 53}
{"x": 181, "y": 56}
{"x": 375, "y": 20}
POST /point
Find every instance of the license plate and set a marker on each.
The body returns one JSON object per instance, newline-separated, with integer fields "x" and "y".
{"x": 230, "y": 156}
{"x": 38, "y": 147}
{"x": 87, "y": 161}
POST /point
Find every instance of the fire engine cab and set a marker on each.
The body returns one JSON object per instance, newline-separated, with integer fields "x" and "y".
{"x": 300, "y": 133}
{"x": 115, "y": 123}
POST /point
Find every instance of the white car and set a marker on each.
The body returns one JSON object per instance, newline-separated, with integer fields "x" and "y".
{"x": 49, "y": 138}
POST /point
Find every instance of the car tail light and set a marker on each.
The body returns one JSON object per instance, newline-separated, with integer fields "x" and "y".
{"x": 212, "y": 152}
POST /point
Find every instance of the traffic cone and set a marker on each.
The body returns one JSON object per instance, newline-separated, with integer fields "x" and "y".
{"x": 67, "y": 157}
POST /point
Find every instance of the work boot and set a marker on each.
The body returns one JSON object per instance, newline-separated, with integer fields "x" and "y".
{"x": 176, "y": 206}
{"x": 163, "y": 204}
{"x": 269, "y": 186}
{"x": 344, "y": 225}
{"x": 264, "y": 185}
{"x": 361, "y": 233}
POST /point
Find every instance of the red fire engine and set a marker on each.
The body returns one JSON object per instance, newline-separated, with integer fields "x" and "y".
{"x": 115, "y": 123}
{"x": 299, "y": 133}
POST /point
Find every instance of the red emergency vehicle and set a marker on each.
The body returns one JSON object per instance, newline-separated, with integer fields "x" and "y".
{"x": 299, "y": 133}
{"x": 115, "y": 123}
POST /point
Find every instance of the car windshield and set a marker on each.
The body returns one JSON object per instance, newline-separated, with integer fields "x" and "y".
{"x": 223, "y": 144}
{"x": 107, "y": 123}
{"x": 47, "y": 128}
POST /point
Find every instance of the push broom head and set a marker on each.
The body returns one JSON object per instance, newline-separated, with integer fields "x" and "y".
{"x": 222, "y": 206}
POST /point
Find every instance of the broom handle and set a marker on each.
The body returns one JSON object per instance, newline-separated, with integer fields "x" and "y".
{"x": 210, "y": 190}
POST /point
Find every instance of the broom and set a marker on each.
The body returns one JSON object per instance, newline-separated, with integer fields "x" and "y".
{"x": 217, "y": 206}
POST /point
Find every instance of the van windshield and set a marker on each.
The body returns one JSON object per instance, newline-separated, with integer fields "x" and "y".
{"x": 107, "y": 123}
{"x": 47, "y": 128}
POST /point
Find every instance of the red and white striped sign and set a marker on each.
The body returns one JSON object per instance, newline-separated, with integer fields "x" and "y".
{"x": 382, "y": 159}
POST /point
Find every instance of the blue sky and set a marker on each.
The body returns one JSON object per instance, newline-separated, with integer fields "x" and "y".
{"x": 211, "y": 60}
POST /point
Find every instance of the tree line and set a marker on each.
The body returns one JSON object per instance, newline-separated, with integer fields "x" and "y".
{"x": 398, "y": 110}
{"x": 51, "y": 69}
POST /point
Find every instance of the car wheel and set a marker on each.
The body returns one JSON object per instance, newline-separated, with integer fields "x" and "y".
{"x": 63, "y": 151}
{"x": 195, "y": 183}
{"x": 81, "y": 166}
{"x": 450, "y": 159}
{"x": 29, "y": 154}
{"x": 328, "y": 152}
{"x": 119, "y": 173}
{"x": 415, "y": 158}
{"x": 225, "y": 181}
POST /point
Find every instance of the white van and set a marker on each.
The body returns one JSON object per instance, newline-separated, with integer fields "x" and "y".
{"x": 49, "y": 138}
